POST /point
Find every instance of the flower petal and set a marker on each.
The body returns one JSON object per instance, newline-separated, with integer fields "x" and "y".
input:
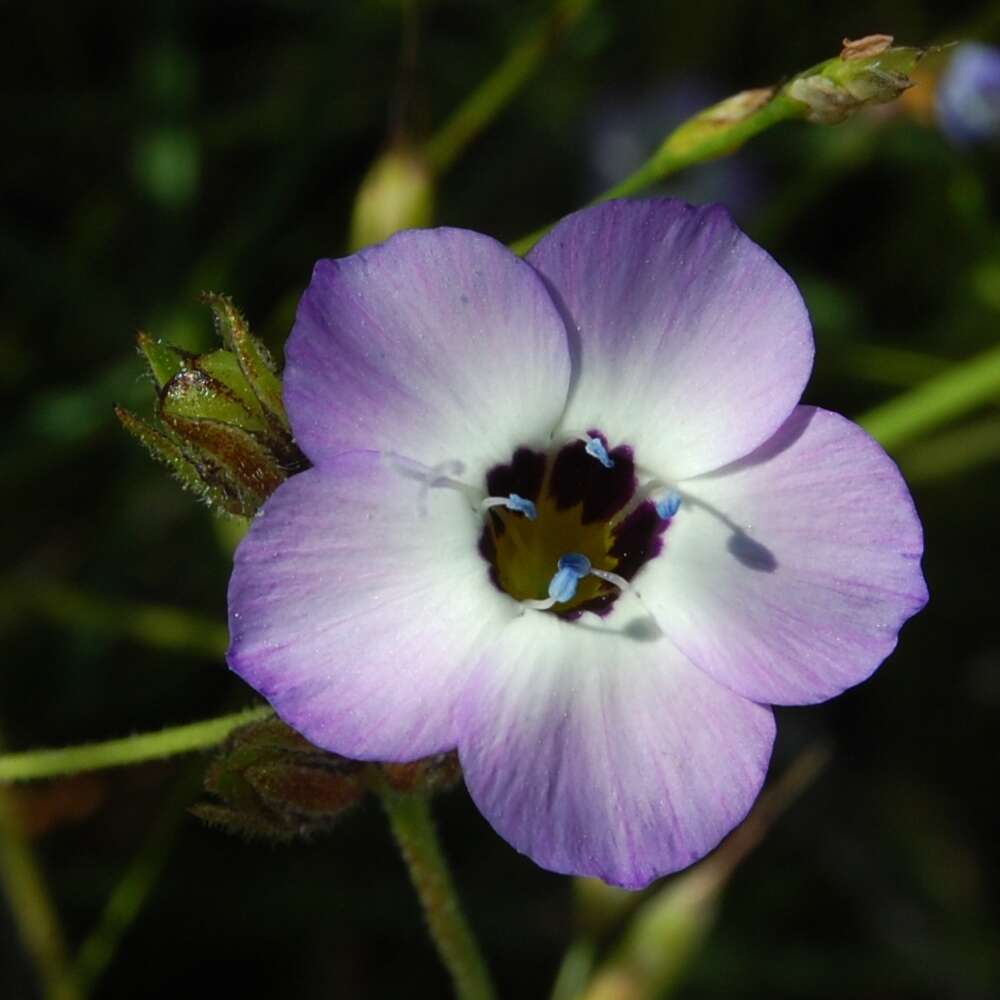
{"x": 694, "y": 345}
{"x": 788, "y": 575}
{"x": 596, "y": 749}
{"x": 437, "y": 345}
{"x": 355, "y": 616}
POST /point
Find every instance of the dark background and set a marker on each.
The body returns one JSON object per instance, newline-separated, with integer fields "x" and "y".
{"x": 153, "y": 150}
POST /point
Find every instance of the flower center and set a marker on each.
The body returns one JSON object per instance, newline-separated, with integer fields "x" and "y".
{"x": 566, "y": 531}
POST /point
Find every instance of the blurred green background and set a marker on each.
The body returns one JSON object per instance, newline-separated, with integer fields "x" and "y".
{"x": 156, "y": 150}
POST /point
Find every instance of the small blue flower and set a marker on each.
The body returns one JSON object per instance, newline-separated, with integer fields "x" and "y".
{"x": 968, "y": 96}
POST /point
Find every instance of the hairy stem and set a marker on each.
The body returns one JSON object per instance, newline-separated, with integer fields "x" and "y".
{"x": 413, "y": 827}
{"x": 34, "y": 764}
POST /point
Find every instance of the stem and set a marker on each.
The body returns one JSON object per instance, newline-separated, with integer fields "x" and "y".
{"x": 575, "y": 970}
{"x": 157, "y": 625}
{"x": 413, "y": 827}
{"x": 35, "y": 764}
{"x": 952, "y": 453}
{"x": 949, "y": 395}
{"x": 490, "y": 97}
{"x": 30, "y": 906}
{"x": 679, "y": 150}
{"x": 724, "y": 127}
{"x": 673, "y": 923}
{"x": 134, "y": 887}
{"x": 688, "y": 144}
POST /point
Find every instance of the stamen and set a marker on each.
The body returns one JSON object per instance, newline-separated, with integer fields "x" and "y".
{"x": 572, "y": 569}
{"x": 432, "y": 477}
{"x": 596, "y": 449}
{"x": 603, "y": 574}
{"x": 668, "y": 504}
{"x": 514, "y": 502}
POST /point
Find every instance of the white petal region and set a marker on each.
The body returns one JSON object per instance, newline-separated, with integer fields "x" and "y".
{"x": 358, "y": 604}
{"x": 788, "y": 575}
{"x": 596, "y": 749}
{"x": 690, "y": 343}
{"x": 439, "y": 345}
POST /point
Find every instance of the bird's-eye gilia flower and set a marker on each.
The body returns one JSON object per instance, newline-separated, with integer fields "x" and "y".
{"x": 566, "y": 515}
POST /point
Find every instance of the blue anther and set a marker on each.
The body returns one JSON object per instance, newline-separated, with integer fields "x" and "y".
{"x": 522, "y": 506}
{"x": 572, "y": 569}
{"x": 595, "y": 449}
{"x": 668, "y": 505}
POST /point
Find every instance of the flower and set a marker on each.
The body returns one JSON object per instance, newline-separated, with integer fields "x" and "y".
{"x": 566, "y": 515}
{"x": 968, "y": 96}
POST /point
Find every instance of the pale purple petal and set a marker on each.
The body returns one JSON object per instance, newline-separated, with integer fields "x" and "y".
{"x": 356, "y": 615}
{"x": 439, "y": 345}
{"x": 788, "y": 575}
{"x": 596, "y": 749}
{"x": 693, "y": 344}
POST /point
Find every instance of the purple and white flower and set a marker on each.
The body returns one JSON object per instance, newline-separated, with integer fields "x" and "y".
{"x": 567, "y": 516}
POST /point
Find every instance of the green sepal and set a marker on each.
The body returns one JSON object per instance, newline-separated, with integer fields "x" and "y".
{"x": 232, "y": 461}
{"x": 164, "y": 361}
{"x": 193, "y": 394}
{"x": 224, "y": 428}
{"x": 224, "y": 367}
{"x": 254, "y": 360}
{"x": 164, "y": 449}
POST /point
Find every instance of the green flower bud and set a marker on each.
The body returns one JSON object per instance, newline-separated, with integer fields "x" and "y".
{"x": 867, "y": 71}
{"x": 274, "y": 783}
{"x": 223, "y": 427}
{"x": 396, "y": 193}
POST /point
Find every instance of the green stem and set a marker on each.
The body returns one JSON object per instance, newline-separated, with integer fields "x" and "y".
{"x": 22, "y": 882}
{"x": 928, "y": 406}
{"x": 683, "y": 149}
{"x": 493, "y": 94}
{"x": 688, "y": 144}
{"x": 413, "y": 826}
{"x": 35, "y": 764}
{"x": 157, "y": 625}
{"x": 575, "y": 970}
{"x": 132, "y": 891}
{"x": 723, "y": 128}
{"x": 898, "y": 367}
{"x": 672, "y": 924}
{"x": 952, "y": 453}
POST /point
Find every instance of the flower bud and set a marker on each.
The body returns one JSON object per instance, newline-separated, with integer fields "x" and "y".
{"x": 396, "y": 193}
{"x": 867, "y": 71}
{"x": 275, "y": 784}
{"x": 224, "y": 431}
